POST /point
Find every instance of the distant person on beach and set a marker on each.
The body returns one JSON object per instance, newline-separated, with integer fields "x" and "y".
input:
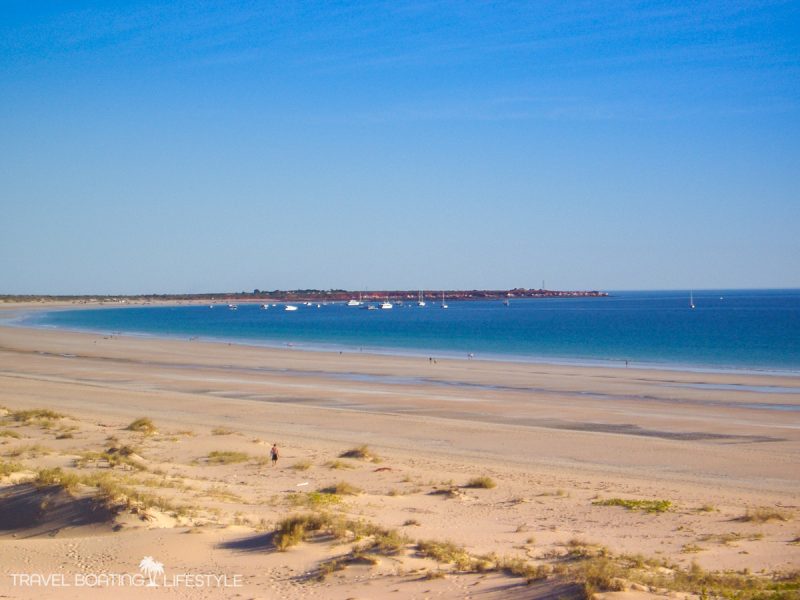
{"x": 274, "y": 454}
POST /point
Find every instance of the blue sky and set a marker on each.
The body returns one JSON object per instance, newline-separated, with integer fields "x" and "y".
{"x": 204, "y": 146}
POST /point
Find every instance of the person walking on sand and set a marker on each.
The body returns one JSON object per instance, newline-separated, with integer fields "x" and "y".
{"x": 274, "y": 454}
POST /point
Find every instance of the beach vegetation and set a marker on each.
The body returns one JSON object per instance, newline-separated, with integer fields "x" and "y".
{"x": 29, "y": 451}
{"x": 8, "y": 433}
{"x": 764, "y": 515}
{"x": 648, "y": 506}
{"x": 730, "y": 538}
{"x": 446, "y": 552}
{"x": 519, "y": 567}
{"x": 222, "y": 431}
{"x": 313, "y": 499}
{"x": 112, "y": 490}
{"x": 143, "y": 425}
{"x": 7, "y": 468}
{"x": 362, "y": 452}
{"x": 296, "y": 528}
{"x": 338, "y": 464}
{"x": 342, "y": 489}
{"x": 481, "y": 482}
{"x": 124, "y": 456}
{"x": 56, "y": 476}
{"x": 219, "y": 492}
{"x": 301, "y": 465}
{"x": 226, "y": 457}
{"x": 36, "y": 415}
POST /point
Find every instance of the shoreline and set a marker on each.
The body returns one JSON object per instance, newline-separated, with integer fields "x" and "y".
{"x": 558, "y": 441}
{"x": 333, "y": 348}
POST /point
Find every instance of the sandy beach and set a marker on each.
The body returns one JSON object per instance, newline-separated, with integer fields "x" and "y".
{"x": 566, "y": 448}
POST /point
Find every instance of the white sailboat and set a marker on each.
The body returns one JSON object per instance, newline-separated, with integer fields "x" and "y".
{"x": 354, "y": 302}
{"x": 290, "y": 307}
{"x": 691, "y": 299}
{"x": 443, "y": 304}
{"x": 420, "y": 302}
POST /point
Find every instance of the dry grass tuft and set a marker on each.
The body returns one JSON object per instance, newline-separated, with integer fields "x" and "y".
{"x": 226, "y": 457}
{"x": 342, "y": 488}
{"x": 143, "y": 425}
{"x": 222, "y": 431}
{"x": 649, "y": 506}
{"x": 7, "y": 468}
{"x": 764, "y": 515}
{"x": 481, "y": 483}
{"x": 338, "y": 464}
{"x": 362, "y": 452}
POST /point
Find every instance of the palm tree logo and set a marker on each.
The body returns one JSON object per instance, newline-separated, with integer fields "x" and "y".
{"x": 151, "y": 568}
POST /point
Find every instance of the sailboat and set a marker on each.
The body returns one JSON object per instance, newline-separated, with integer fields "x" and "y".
{"x": 443, "y": 304}
{"x": 387, "y": 305}
{"x": 691, "y": 300}
{"x": 421, "y": 302}
{"x": 354, "y": 302}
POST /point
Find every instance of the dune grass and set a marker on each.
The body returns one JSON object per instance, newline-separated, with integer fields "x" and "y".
{"x": 338, "y": 464}
{"x": 7, "y": 468}
{"x": 113, "y": 457}
{"x": 227, "y": 457}
{"x": 362, "y": 452}
{"x": 342, "y": 489}
{"x": 110, "y": 489}
{"x": 35, "y": 415}
{"x": 481, "y": 483}
{"x": 313, "y": 499}
{"x": 222, "y": 431}
{"x": 7, "y": 433}
{"x": 301, "y": 465}
{"x": 143, "y": 425}
{"x": 648, "y": 506}
{"x": 765, "y": 514}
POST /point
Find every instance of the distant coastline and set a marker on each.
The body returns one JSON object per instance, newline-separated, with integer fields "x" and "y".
{"x": 309, "y": 295}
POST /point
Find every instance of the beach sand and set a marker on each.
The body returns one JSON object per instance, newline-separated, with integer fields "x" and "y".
{"x": 556, "y": 440}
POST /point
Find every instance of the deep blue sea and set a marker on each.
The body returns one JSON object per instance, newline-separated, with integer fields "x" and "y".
{"x": 728, "y": 329}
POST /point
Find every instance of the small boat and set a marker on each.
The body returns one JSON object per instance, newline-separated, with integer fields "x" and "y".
{"x": 371, "y": 307}
{"x": 506, "y": 303}
{"x": 232, "y": 307}
{"x": 387, "y": 305}
{"x": 420, "y": 302}
{"x": 691, "y": 300}
{"x": 443, "y": 303}
{"x": 290, "y": 307}
{"x": 264, "y": 306}
{"x": 354, "y": 302}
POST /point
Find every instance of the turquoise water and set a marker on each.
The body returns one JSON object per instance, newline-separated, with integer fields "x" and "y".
{"x": 729, "y": 329}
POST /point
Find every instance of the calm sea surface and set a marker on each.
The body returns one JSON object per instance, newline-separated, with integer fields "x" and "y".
{"x": 736, "y": 329}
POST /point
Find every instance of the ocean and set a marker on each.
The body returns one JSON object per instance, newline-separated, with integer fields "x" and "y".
{"x": 729, "y": 329}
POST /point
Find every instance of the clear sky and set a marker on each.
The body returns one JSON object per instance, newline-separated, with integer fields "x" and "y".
{"x": 211, "y": 146}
